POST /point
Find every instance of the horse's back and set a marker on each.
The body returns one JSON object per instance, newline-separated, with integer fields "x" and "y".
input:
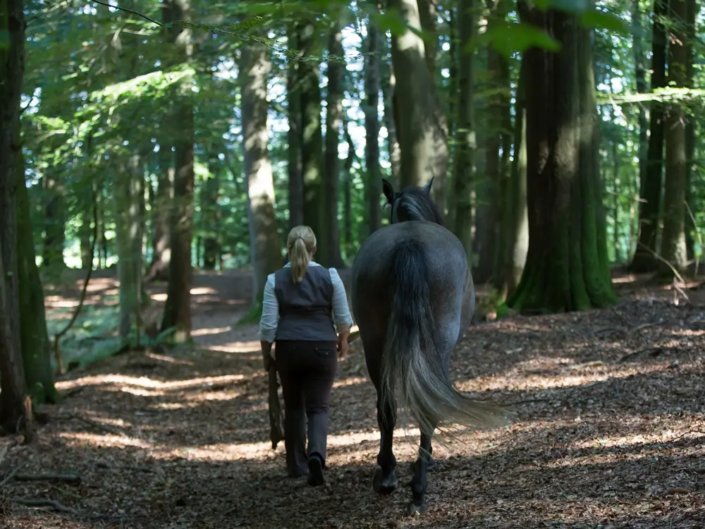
{"x": 449, "y": 282}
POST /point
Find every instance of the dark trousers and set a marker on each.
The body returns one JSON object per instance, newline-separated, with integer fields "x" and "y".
{"x": 307, "y": 371}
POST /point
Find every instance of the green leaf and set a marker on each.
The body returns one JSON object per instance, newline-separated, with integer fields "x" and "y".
{"x": 510, "y": 38}
{"x": 391, "y": 21}
{"x": 601, "y": 20}
{"x": 4, "y": 39}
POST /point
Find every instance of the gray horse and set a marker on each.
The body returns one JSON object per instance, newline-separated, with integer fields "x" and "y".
{"x": 413, "y": 297}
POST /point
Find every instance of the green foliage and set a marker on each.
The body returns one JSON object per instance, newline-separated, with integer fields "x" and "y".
{"x": 511, "y": 38}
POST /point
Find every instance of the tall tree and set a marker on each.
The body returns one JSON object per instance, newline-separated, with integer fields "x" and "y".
{"x": 373, "y": 185}
{"x": 641, "y": 87}
{"x": 312, "y": 134}
{"x": 515, "y": 223}
{"x": 388, "y": 85}
{"x": 161, "y": 251}
{"x": 466, "y": 139}
{"x": 295, "y": 135}
{"x": 650, "y": 190}
{"x": 255, "y": 67}
{"x": 54, "y": 219}
{"x": 673, "y": 248}
{"x": 12, "y": 378}
{"x": 334, "y": 122}
{"x": 177, "y": 311}
{"x": 566, "y": 266}
{"x": 690, "y": 132}
{"x": 489, "y": 205}
{"x": 34, "y": 338}
{"x": 420, "y": 122}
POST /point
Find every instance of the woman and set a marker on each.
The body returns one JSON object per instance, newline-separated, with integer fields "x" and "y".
{"x": 305, "y": 310}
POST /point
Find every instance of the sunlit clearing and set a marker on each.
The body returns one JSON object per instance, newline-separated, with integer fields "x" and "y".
{"x": 349, "y": 382}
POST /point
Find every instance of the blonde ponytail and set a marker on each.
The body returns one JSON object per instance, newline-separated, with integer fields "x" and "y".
{"x": 301, "y": 244}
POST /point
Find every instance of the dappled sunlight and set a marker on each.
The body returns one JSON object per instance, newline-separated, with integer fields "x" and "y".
{"x": 147, "y": 383}
{"x": 235, "y": 347}
{"x": 350, "y": 381}
{"x": 207, "y": 332}
{"x": 79, "y": 439}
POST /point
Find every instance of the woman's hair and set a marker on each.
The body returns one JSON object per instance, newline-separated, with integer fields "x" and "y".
{"x": 300, "y": 243}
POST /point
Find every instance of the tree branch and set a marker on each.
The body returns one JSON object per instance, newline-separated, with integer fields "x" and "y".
{"x": 126, "y": 10}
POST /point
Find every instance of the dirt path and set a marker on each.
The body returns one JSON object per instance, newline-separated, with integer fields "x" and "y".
{"x": 609, "y": 431}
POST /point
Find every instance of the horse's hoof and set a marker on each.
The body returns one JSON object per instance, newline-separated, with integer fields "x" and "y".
{"x": 415, "y": 510}
{"x": 384, "y": 484}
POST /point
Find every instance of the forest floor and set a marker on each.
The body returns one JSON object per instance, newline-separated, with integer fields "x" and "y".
{"x": 609, "y": 432}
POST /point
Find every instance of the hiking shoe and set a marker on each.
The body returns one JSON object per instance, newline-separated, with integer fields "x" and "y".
{"x": 315, "y": 471}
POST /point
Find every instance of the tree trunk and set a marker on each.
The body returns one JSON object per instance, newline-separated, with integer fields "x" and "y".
{"x": 690, "y": 138}
{"x": 331, "y": 173}
{"x": 255, "y": 66}
{"x": 452, "y": 109}
{"x": 295, "y": 135}
{"x": 12, "y": 380}
{"x": 466, "y": 139}
{"x": 420, "y": 121}
{"x": 641, "y": 87}
{"x": 650, "y": 190}
{"x": 566, "y": 269}
{"x": 373, "y": 186}
{"x": 129, "y": 184}
{"x": 489, "y": 205}
{"x": 210, "y": 192}
{"x": 34, "y": 338}
{"x": 54, "y": 221}
{"x": 177, "y": 311}
{"x": 515, "y": 220}
{"x": 85, "y": 237}
{"x": 673, "y": 248}
{"x": 347, "y": 215}
{"x": 159, "y": 268}
{"x": 312, "y": 140}
{"x": 388, "y": 86}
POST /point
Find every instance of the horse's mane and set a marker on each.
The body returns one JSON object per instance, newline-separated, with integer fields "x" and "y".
{"x": 414, "y": 204}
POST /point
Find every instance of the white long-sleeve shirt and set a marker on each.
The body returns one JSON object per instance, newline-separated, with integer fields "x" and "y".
{"x": 270, "y": 306}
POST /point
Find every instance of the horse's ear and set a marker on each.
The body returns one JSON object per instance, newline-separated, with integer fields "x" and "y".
{"x": 427, "y": 187}
{"x": 388, "y": 190}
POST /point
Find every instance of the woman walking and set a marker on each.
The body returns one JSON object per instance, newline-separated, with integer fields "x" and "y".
{"x": 305, "y": 310}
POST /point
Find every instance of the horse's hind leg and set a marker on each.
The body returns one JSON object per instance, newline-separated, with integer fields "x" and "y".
{"x": 385, "y": 478}
{"x": 419, "y": 482}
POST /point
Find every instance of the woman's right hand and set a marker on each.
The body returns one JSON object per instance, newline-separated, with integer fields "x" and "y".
{"x": 342, "y": 348}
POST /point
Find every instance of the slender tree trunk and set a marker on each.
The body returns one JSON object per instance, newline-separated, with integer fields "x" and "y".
{"x": 650, "y": 191}
{"x": 54, "y": 221}
{"x": 673, "y": 247}
{"x": 34, "y": 338}
{"x": 210, "y": 192}
{"x": 159, "y": 268}
{"x": 466, "y": 139}
{"x": 690, "y": 138}
{"x": 641, "y": 87}
{"x": 420, "y": 121}
{"x": 13, "y": 412}
{"x": 347, "y": 215}
{"x": 373, "y": 186}
{"x": 177, "y": 311}
{"x": 295, "y": 135}
{"x": 255, "y": 67}
{"x": 452, "y": 110}
{"x": 85, "y": 236}
{"x": 334, "y": 122}
{"x": 489, "y": 207}
{"x": 388, "y": 86}
{"x": 566, "y": 269}
{"x": 312, "y": 141}
{"x": 516, "y": 222}
{"x": 129, "y": 184}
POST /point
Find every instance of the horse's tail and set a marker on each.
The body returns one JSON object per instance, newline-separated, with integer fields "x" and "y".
{"x": 413, "y": 371}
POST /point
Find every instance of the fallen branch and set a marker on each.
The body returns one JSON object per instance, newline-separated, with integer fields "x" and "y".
{"x": 73, "y": 479}
{"x": 57, "y": 506}
{"x": 11, "y": 475}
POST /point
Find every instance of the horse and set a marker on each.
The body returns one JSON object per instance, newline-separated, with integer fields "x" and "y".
{"x": 413, "y": 297}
